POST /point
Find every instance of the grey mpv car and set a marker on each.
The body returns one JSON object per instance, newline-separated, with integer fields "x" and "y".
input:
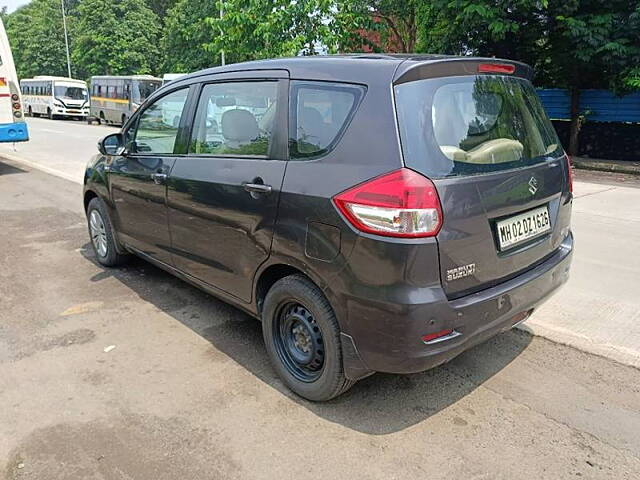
{"x": 376, "y": 213}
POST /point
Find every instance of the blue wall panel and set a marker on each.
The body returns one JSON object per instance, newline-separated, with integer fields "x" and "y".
{"x": 600, "y": 105}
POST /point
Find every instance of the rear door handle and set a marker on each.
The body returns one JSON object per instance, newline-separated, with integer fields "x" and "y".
{"x": 159, "y": 178}
{"x": 257, "y": 188}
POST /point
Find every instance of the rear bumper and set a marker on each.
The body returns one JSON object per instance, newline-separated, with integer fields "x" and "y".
{"x": 388, "y": 337}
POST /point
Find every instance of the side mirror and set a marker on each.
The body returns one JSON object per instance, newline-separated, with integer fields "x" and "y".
{"x": 112, "y": 144}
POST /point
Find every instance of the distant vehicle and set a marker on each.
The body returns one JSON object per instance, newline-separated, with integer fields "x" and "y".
{"x": 377, "y": 213}
{"x": 170, "y": 77}
{"x": 114, "y": 99}
{"x": 12, "y": 125}
{"x": 55, "y": 97}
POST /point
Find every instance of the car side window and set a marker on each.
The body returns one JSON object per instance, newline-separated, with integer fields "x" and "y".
{"x": 157, "y": 126}
{"x": 235, "y": 118}
{"x": 319, "y": 114}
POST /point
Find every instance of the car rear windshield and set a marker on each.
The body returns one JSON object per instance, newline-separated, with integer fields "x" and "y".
{"x": 472, "y": 125}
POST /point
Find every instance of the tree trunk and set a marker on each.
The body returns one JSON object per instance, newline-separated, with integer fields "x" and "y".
{"x": 574, "y": 131}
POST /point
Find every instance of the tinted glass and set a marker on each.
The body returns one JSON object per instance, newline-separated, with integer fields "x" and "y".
{"x": 319, "y": 114}
{"x": 158, "y": 124}
{"x": 73, "y": 93}
{"x": 471, "y": 125}
{"x": 235, "y": 119}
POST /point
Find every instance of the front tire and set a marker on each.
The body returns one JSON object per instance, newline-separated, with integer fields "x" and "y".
{"x": 302, "y": 337}
{"x": 102, "y": 234}
{"x": 50, "y": 114}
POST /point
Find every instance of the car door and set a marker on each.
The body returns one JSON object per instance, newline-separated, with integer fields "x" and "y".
{"x": 137, "y": 179}
{"x": 223, "y": 195}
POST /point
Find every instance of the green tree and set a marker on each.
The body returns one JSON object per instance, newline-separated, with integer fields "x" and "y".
{"x": 187, "y": 35}
{"x": 118, "y": 37}
{"x": 591, "y": 44}
{"x": 573, "y": 44}
{"x": 380, "y": 25}
{"x": 161, "y": 7}
{"x": 37, "y": 39}
{"x": 253, "y": 29}
{"x": 501, "y": 28}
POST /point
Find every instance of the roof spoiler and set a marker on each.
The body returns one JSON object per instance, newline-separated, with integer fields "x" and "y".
{"x": 455, "y": 67}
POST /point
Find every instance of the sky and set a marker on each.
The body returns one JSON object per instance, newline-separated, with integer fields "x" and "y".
{"x": 12, "y": 4}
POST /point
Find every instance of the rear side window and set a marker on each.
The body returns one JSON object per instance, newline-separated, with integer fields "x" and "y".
{"x": 473, "y": 125}
{"x": 319, "y": 114}
{"x": 235, "y": 118}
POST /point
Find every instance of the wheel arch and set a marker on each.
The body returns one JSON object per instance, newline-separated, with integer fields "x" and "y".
{"x": 269, "y": 276}
{"x": 89, "y": 195}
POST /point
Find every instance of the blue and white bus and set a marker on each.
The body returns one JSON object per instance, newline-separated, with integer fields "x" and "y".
{"x": 12, "y": 125}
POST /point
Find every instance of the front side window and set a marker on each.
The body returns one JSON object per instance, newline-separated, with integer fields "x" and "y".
{"x": 319, "y": 114}
{"x": 235, "y": 118}
{"x": 157, "y": 126}
{"x": 472, "y": 125}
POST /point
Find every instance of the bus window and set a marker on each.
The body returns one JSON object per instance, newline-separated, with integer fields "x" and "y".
{"x": 142, "y": 89}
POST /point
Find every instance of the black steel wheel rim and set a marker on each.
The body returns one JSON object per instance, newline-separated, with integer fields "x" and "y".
{"x": 298, "y": 341}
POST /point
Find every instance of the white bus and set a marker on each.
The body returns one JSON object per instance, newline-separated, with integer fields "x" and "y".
{"x": 170, "y": 77}
{"x": 12, "y": 125}
{"x": 55, "y": 97}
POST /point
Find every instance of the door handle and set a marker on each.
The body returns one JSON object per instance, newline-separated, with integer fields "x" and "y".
{"x": 257, "y": 188}
{"x": 159, "y": 178}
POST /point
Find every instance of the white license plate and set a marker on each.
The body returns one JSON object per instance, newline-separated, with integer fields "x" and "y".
{"x": 520, "y": 228}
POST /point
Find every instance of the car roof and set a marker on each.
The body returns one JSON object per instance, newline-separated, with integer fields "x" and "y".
{"x": 356, "y": 68}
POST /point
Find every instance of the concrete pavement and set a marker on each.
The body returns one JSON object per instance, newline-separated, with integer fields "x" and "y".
{"x": 59, "y": 147}
{"x": 186, "y": 392}
{"x": 599, "y": 309}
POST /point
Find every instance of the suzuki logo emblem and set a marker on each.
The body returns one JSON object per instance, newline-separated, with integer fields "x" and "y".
{"x": 533, "y": 185}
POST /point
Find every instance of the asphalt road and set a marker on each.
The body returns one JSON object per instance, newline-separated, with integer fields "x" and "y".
{"x": 186, "y": 392}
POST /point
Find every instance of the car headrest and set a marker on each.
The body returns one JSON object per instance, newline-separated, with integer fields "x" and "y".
{"x": 311, "y": 118}
{"x": 239, "y": 125}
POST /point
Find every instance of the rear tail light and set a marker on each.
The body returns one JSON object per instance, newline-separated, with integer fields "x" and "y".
{"x": 16, "y": 106}
{"x": 569, "y": 172}
{"x": 496, "y": 68}
{"x": 402, "y": 203}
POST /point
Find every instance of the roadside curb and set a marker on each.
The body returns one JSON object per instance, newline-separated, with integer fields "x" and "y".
{"x": 38, "y": 166}
{"x": 632, "y": 168}
{"x": 624, "y": 356}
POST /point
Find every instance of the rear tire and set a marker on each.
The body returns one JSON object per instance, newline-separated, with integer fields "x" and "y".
{"x": 30, "y": 112}
{"x": 101, "y": 118}
{"x": 124, "y": 119}
{"x": 302, "y": 337}
{"x": 102, "y": 235}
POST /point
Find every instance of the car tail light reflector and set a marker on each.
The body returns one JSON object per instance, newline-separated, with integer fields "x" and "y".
{"x": 496, "y": 68}
{"x": 433, "y": 336}
{"x": 402, "y": 203}
{"x": 569, "y": 172}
